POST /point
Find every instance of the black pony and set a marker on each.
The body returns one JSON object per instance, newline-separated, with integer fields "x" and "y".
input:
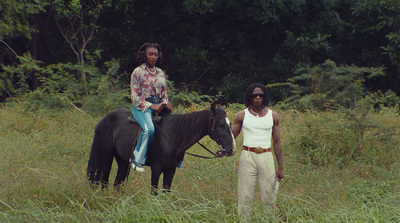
{"x": 115, "y": 136}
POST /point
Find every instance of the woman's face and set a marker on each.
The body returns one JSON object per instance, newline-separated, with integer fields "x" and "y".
{"x": 151, "y": 56}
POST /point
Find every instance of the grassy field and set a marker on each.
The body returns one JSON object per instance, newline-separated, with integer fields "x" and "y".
{"x": 43, "y": 179}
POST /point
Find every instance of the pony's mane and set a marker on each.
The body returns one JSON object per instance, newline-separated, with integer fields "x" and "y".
{"x": 190, "y": 128}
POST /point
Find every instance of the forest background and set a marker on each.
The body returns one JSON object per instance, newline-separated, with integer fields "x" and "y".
{"x": 310, "y": 54}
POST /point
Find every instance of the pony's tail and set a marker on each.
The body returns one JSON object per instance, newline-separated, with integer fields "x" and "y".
{"x": 102, "y": 143}
{"x": 93, "y": 165}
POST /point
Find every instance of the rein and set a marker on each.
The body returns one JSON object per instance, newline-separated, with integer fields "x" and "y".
{"x": 204, "y": 157}
{"x": 195, "y": 155}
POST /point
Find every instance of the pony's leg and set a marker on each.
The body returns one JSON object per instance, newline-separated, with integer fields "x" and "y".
{"x": 105, "y": 166}
{"x": 122, "y": 173}
{"x": 168, "y": 176}
{"x": 155, "y": 178}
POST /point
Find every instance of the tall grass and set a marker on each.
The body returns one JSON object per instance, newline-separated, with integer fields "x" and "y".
{"x": 43, "y": 179}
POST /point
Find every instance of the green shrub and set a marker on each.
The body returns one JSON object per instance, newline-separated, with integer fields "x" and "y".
{"x": 61, "y": 86}
{"x": 363, "y": 134}
{"x": 14, "y": 80}
{"x": 323, "y": 139}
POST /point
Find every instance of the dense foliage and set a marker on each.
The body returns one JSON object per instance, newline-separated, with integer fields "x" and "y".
{"x": 78, "y": 51}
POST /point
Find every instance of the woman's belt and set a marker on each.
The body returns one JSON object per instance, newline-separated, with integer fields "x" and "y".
{"x": 257, "y": 150}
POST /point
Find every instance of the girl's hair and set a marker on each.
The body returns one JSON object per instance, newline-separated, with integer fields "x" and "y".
{"x": 250, "y": 89}
{"x": 141, "y": 56}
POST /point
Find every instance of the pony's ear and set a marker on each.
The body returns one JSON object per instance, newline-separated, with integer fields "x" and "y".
{"x": 213, "y": 106}
{"x": 216, "y": 105}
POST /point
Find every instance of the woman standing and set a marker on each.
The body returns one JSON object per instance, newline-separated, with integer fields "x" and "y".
{"x": 148, "y": 94}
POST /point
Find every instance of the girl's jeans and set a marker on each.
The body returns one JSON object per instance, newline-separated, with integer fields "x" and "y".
{"x": 145, "y": 121}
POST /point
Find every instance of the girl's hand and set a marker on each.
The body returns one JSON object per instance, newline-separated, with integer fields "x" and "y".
{"x": 157, "y": 107}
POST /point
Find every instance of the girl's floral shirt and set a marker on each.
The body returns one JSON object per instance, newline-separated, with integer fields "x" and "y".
{"x": 145, "y": 85}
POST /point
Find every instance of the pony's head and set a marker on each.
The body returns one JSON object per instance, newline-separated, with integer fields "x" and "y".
{"x": 221, "y": 131}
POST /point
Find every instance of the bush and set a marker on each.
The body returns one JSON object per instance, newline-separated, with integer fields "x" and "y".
{"x": 61, "y": 86}
{"x": 363, "y": 134}
{"x": 323, "y": 139}
{"x": 382, "y": 140}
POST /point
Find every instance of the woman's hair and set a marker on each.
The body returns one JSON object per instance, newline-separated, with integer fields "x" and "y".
{"x": 250, "y": 89}
{"x": 141, "y": 56}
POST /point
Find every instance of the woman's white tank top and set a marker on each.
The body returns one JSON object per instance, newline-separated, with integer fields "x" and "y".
{"x": 257, "y": 131}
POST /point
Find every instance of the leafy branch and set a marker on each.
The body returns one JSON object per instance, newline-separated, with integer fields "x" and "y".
{"x": 77, "y": 23}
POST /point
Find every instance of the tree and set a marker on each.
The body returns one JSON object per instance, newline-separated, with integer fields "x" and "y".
{"x": 213, "y": 47}
{"x": 372, "y": 39}
{"x": 15, "y": 22}
{"x": 391, "y": 18}
{"x": 77, "y": 22}
{"x": 327, "y": 85}
{"x": 15, "y": 28}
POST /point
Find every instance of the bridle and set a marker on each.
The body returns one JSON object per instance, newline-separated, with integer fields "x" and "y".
{"x": 214, "y": 136}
